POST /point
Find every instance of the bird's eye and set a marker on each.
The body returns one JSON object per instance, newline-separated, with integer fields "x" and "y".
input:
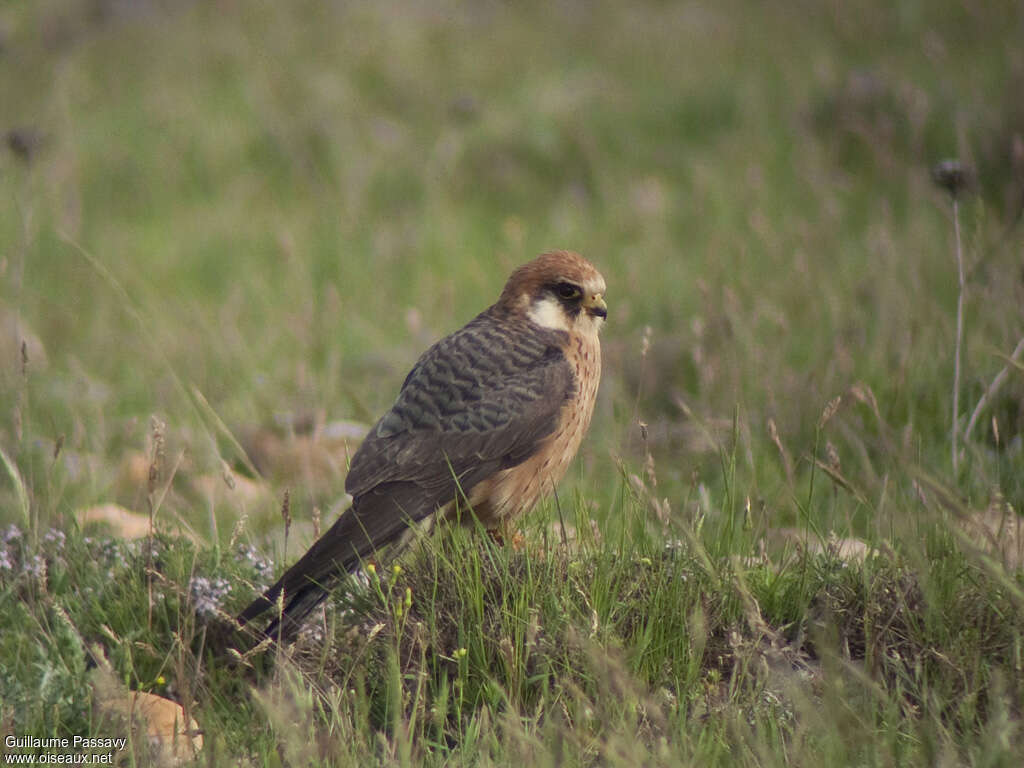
{"x": 568, "y": 291}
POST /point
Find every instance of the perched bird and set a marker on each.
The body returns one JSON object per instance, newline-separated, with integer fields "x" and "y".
{"x": 487, "y": 420}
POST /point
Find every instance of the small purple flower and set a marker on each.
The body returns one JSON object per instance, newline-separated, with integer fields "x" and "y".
{"x": 208, "y": 595}
{"x": 313, "y": 631}
{"x": 263, "y": 566}
{"x": 146, "y": 548}
{"x": 36, "y": 566}
{"x": 56, "y": 538}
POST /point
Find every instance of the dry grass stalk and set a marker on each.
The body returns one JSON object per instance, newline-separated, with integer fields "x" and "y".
{"x": 959, "y": 333}
{"x": 956, "y": 177}
{"x": 830, "y": 410}
{"x": 286, "y": 515}
{"x": 787, "y": 463}
{"x": 156, "y": 462}
{"x": 993, "y": 388}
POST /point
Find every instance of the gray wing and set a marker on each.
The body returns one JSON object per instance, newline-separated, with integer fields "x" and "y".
{"x": 481, "y": 399}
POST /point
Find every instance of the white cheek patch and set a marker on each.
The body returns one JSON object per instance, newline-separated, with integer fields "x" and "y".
{"x": 549, "y": 313}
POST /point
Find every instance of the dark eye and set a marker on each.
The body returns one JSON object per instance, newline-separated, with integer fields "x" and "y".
{"x": 567, "y": 291}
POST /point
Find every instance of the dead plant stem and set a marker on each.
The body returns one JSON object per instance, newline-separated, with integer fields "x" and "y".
{"x": 959, "y": 334}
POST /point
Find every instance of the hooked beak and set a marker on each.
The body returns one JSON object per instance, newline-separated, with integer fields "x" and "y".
{"x": 594, "y": 304}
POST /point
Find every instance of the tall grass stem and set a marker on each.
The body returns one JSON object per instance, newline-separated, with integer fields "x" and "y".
{"x": 959, "y": 335}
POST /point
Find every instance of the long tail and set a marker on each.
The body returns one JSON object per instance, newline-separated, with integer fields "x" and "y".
{"x": 373, "y": 522}
{"x": 306, "y": 584}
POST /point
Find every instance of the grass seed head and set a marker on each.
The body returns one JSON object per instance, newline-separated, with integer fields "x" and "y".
{"x": 157, "y": 430}
{"x": 832, "y": 456}
{"x": 227, "y": 475}
{"x": 286, "y": 512}
{"x": 830, "y": 410}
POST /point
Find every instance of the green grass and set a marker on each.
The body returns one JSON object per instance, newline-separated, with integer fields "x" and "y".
{"x": 239, "y": 211}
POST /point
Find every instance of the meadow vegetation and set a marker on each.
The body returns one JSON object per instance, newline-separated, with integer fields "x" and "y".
{"x": 228, "y": 229}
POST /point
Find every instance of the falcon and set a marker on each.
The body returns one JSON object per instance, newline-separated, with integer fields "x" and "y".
{"x": 487, "y": 421}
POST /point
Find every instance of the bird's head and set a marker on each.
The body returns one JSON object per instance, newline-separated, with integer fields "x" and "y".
{"x": 559, "y": 290}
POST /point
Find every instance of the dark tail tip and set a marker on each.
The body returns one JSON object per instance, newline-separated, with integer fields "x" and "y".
{"x": 261, "y": 604}
{"x": 284, "y": 627}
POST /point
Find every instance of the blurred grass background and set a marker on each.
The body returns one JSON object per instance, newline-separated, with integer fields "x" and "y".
{"x": 274, "y": 208}
{"x": 282, "y": 192}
